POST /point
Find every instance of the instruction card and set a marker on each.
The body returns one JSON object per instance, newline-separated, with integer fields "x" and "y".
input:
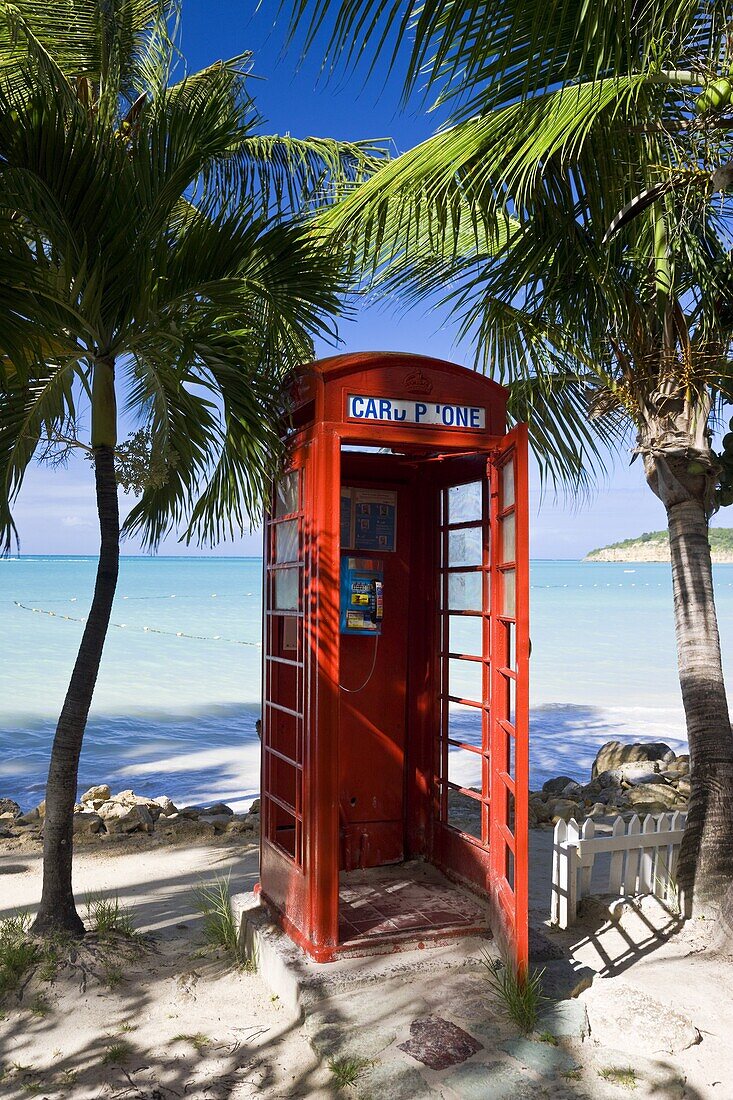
{"x": 368, "y": 519}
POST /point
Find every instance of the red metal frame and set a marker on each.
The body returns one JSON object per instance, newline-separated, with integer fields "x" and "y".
{"x": 301, "y": 777}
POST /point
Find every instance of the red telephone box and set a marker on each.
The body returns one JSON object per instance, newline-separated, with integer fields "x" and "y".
{"x": 396, "y": 648}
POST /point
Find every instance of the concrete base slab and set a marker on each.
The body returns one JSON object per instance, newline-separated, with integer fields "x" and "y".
{"x": 300, "y": 983}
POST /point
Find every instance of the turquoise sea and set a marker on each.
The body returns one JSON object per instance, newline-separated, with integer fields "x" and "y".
{"x": 178, "y": 693}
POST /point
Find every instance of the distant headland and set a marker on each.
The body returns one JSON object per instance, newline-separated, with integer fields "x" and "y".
{"x": 654, "y": 546}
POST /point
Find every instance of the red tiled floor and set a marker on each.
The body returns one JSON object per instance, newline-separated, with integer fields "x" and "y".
{"x": 410, "y": 897}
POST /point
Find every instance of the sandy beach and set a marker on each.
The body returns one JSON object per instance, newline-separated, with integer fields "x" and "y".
{"x": 176, "y": 1018}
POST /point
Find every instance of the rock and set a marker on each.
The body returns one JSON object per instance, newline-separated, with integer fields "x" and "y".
{"x": 596, "y": 810}
{"x": 238, "y": 827}
{"x": 683, "y": 786}
{"x": 86, "y": 823}
{"x": 167, "y": 807}
{"x": 33, "y": 817}
{"x": 100, "y": 793}
{"x": 216, "y": 809}
{"x": 558, "y": 785}
{"x": 648, "y": 795}
{"x": 9, "y": 806}
{"x": 129, "y": 798}
{"x": 190, "y": 812}
{"x": 563, "y": 979}
{"x": 563, "y": 809}
{"x": 540, "y": 810}
{"x": 218, "y": 821}
{"x": 614, "y": 753}
{"x": 573, "y": 790}
{"x": 255, "y": 807}
{"x": 121, "y": 818}
{"x": 658, "y": 1028}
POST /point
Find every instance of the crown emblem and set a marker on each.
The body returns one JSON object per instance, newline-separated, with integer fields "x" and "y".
{"x": 416, "y": 382}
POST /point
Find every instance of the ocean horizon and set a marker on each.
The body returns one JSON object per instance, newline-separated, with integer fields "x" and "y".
{"x": 179, "y": 689}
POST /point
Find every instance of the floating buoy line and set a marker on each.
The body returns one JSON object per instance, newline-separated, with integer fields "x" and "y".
{"x": 139, "y": 629}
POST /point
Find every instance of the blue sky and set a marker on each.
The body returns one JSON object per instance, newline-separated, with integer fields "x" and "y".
{"x": 56, "y": 513}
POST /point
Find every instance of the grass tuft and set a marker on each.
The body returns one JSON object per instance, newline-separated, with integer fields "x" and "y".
{"x": 619, "y": 1075}
{"x": 106, "y": 916}
{"x": 117, "y": 1053}
{"x": 522, "y": 998}
{"x": 549, "y": 1038}
{"x": 39, "y": 1006}
{"x": 347, "y": 1071}
{"x": 199, "y": 1041}
{"x": 17, "y": 952}
{"x": 214, "y": 902}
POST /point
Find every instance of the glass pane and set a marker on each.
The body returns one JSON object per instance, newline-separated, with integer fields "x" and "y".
{"x": 464, "y": 724}
{"x": 464, "y": 813}
{"x": 511, "y": 765}
{"x": 510, "y": 809}
{"x": 464, "y": 591}
{"x": 508, "y": 538}
{"x": 286, "y": 589}
{"x": 464, "y": 547}
{"x": 464, "y": 768}
{"x": 464, "y": 502}
{"x": 465, "y": 680}
{"x": 282, "y": 829}
{"x": 465, "y": 635}
{"x": 286, "y": 494}
{"x": 509, "y": 603}
{"x": 507, "y": 485}
{"x": 509, "y": 867}
{"x": 286, "y": 541}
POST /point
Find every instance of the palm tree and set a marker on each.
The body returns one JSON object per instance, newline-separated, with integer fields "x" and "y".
{"x": 146, "y": 255}
{"x": 575, "y": 213}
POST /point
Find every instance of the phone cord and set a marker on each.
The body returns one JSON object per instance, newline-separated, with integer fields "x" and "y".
{"x": 355, "y": 691}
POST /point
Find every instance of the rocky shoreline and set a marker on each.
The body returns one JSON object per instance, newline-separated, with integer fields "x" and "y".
{"x": 625, "y": 779}
{"x": 101, "y": 816}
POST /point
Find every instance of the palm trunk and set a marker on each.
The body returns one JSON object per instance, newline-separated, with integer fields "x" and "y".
{"x": 705, "y": 867}
{"x": 57, "y": 911}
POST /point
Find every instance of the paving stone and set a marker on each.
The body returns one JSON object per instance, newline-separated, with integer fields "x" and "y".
{"x": 542, "y": 948}
{"x": 495, "y": 1081}
{"x": 389, "y": 1081}
{"x": 562, "y": 979}
{"x": 564, "y": 1020}
{"x": 438, "y": 1043}
{"x": 544, "y": 1058}
{"x": 488, "y": 1031}
{"x": 330, "y": 1039}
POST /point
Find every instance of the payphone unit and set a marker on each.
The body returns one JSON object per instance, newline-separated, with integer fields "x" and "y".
{"x": 362, "y": 595}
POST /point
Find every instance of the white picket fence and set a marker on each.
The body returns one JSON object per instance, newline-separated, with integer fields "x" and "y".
{"x": 643, "y": 859}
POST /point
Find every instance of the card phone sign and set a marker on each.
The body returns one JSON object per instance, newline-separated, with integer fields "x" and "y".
{"x": 362, "y": 595}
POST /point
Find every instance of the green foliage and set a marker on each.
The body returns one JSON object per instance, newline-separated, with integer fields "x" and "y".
{"x": 559, "y": 129}
{"x": 346, "y": 1071}
{"x": 106, "y": 915}
{"x": 116, "y": 1054}
{"x": 720, "y": 538}
{"x": 625, "y": 1076}
{"x": 522, "y": 996}
{"x": 152, "y": 237}
{"x": 199, "y": 1041}
{"x": 213, "y": 900}
{"x": 17, "y": 952}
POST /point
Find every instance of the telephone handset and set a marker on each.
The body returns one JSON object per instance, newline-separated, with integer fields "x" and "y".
{"x": 378, "y": 601}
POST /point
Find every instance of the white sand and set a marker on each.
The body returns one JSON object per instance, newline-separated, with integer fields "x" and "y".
{"x": 249, "y": 1045}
